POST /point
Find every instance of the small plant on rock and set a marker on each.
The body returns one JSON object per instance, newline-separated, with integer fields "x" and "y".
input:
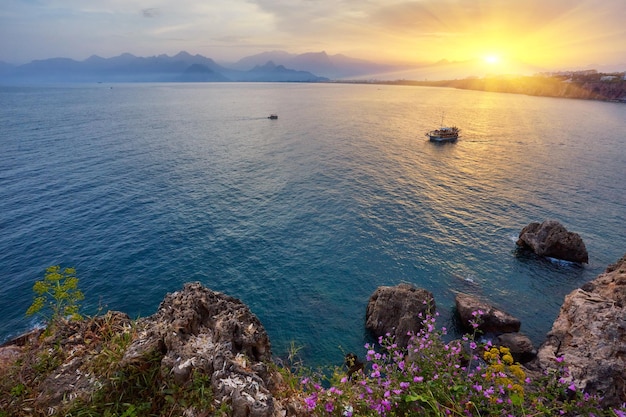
{"x": 57, "y": 294}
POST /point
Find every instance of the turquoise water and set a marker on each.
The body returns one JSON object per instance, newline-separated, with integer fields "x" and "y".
{"x": 145, "y": 187}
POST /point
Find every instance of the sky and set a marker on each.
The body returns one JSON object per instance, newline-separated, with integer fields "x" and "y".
{"x": 507, "y": 36}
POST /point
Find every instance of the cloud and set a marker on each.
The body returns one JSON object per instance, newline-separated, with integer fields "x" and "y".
{"x": 411, "y": 30}
{"x": 151, "y": 12}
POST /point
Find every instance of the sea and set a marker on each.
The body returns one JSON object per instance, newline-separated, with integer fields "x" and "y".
{"x": 145, "y": 187}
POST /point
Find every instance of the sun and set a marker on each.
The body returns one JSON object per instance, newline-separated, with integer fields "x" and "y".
{"x": 491, "y": 59}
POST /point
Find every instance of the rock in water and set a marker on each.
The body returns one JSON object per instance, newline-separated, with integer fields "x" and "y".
{"x": 590, "y": 335}
{"x": 551, "y": 239}
{"x": 492, "y": 320}
{"x": 396, "y": 310}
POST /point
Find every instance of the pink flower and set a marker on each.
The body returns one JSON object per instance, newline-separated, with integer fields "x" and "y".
{"x": 311, "y": 401}
{"x": 418, "y": 379}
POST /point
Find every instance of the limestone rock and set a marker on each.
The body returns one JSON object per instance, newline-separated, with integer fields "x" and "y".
{"x": 492, "y": 320}
{"x": 395, "y": 310}
{"x": 199, "y": 329}
{"x": 590, "y": 334}
{"x": 551, "y": 239}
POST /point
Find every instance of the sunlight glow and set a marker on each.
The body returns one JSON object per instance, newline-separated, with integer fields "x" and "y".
{"x": 492, "y": 59}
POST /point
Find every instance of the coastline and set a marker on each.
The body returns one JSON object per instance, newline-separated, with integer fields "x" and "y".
{"x": 597, "y": 86}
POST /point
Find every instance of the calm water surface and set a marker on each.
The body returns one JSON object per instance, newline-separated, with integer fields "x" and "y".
{"x": 145, "y": 187}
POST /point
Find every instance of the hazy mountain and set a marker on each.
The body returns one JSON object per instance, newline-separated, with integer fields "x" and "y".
{"x": 201, "y": 73}
{"x": 319, "y": 63}
{"x": 271, "y": 72}
{"x": 130, "y": 68}
{"x": 249, "y": 62}
{"x": 5, "y": 67}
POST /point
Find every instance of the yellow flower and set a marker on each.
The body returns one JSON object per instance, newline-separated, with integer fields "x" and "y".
{"x": 507, "y": 358}
{"x": 518, "y": 372}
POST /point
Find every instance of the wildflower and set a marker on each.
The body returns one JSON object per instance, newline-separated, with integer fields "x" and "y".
{"x": 335, "y": 390}
{"x": 329, "y": 407}
{"x": 418, "y": 379}
{"x": 572, "y": 387}
{"x": 311, "y": 401}
{"x": 348, "y": 410}
{"x": 559, "y": 359}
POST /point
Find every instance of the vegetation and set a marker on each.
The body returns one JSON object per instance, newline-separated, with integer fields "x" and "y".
{"x": 427, "y": 378}
{"x": 433, "y": 378}
{"x": 58, "y": 292}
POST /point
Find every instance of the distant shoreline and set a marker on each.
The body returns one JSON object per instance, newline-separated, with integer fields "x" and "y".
{"x": 590, "y": 86}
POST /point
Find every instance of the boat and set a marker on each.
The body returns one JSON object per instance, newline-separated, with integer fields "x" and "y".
{"x": 444, "y": 134}
{"x": 273, "y": 116}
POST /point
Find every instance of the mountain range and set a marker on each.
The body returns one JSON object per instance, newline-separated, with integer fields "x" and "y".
{"x": 275, "y": 66}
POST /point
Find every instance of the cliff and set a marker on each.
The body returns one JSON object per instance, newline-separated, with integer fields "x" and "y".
{"x": 589, "y": 335}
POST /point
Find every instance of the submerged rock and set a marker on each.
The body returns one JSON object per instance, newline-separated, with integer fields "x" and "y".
{"x": 396, "y": 311}
{"x": 551, "y": 239}
{"x": 590, "y": 335}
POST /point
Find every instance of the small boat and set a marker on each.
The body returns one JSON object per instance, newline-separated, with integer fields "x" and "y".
{"x": 444, "y": 134}
{"x": 273, "y": 116}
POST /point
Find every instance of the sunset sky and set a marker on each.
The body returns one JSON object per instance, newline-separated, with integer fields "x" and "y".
{"x": 504, "y": 34}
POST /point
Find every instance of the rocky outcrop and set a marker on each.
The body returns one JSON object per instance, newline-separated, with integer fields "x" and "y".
{"x": 589, "y": 334}
{"x": 396, "y": 311}
{"x": 199, "y": 330}
{"x": 551, "y": 239}
{"x": 196, "y": 335}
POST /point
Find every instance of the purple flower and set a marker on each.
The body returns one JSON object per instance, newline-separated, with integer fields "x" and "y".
{"x": 311, "y": 401}
{"x": 418, "y": 379}
{"x": 329, "y": 407}
{"x": 572, "y": 387}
